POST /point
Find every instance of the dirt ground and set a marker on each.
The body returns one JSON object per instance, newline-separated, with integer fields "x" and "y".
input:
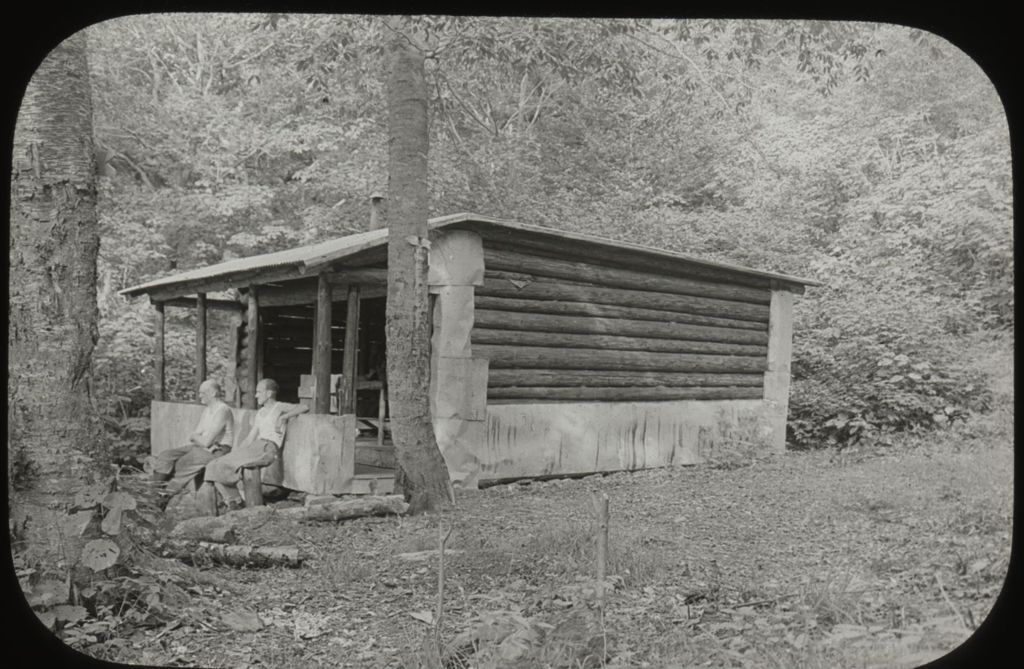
{"x": 802, "y": 560}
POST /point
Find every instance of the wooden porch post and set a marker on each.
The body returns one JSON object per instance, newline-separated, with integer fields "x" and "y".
{"x": 347, "y": 401}
{"x": 200, "y": 338}
{"x": 158, "y": 352}
{"x": 252, "y": 326}
{"x": 322, "y": 348}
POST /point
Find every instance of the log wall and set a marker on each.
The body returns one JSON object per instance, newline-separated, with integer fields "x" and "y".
{"x": 573, "y": 330}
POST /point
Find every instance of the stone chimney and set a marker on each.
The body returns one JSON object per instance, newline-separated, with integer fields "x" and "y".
{"x": 376, "y": 220}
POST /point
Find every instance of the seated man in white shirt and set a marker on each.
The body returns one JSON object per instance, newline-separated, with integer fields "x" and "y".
{"x": 211, "y": 439}
{"x": 259, "y": 448}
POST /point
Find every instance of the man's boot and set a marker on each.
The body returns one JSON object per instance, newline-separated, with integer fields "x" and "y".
{"x": 160, "y": 484}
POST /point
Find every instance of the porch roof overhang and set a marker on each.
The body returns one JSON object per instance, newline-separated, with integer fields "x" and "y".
{"x": 307, "y": 261}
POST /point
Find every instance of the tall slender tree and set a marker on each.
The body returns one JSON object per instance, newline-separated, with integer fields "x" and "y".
{"x": 53, "y": 244}
{"x": 408, "y": 319}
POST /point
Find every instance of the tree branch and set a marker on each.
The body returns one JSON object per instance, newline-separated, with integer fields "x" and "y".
{"x": 462, "y": 104}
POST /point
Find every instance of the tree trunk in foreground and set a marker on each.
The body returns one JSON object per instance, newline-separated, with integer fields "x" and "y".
{"x": 426, "y": 481}
{"x": 53, "y": 246}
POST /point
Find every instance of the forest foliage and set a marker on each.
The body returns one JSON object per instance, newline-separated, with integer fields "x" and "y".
{"x": 871, "y": 157}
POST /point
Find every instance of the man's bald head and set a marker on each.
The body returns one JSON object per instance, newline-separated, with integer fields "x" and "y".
{"x": 209, "y": 390}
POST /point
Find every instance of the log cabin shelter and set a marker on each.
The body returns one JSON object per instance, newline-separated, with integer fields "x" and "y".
{"x": 552, "y": 353}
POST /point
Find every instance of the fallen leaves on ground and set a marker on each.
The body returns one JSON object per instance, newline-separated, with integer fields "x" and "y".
{"x": 796, "y": 561}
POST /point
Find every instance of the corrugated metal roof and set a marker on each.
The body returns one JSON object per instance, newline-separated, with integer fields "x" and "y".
{"x": 300, "y": 255}
{"x": 316, "y": 255}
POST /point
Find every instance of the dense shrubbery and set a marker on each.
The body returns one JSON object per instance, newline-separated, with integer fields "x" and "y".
{"x": 100, "y": 590}
{"x": 862, "y": 390}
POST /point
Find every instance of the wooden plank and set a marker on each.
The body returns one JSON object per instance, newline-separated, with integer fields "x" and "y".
{"x": 200, "y": 338}
{"x": 599, "y": 379}
{"x": 534, "y": 438}
{"x": 608, "y": 311}
{"x": 252, "y": 341}
{"x": 622, "y": 394}
{"x": 213, "y": 305}
{"x": 323, "y": 460}
{"x": 158, "y": 351}
{"x": 307, "y": 296}
{"x": 507, "y": 320}
{"x": 498, "y": 259}
{"x": 504, "y": 284}
{"x": 556, "y": 339}
{"x": 518, "y": 357}
{"x": 370, "y": 276}
{"x": 347, "y": 400}
{"x": 370, "y": 453}
{"x": 322, "y": 348}
{"x": 296, "y": 292}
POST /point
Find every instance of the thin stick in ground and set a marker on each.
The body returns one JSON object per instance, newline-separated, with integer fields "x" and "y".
{"x": 601, "y": 509}
{"x": 442, "y": 539}
{"x": 950, "y": 602}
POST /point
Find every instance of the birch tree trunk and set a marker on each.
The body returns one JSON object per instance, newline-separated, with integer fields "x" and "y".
{"x": 53, "y": 245}
{"x": 426, "y": 481}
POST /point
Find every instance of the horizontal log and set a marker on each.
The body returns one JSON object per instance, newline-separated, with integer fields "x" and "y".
{"x": 509, "y": 320}
{"x": 519, "y": 357}
{"x": 602, "y": 379}
{"x": 388, "y": 505}
{"x": 624, "y": 394}
{"x": 559, "y": 307}
{"x": 498, "y": 259}
{"x": 203, "y": 552}
{"x": 504, "y": 284}
{"x": 618, "y": 256}
{"x": 609, "y": 342}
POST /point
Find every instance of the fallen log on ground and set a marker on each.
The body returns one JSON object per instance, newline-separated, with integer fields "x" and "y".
{"x": 420, "y": 556}
{"x": 371, "y": 505}
{"x": 200, "y": 552}
{"x": 216, "y": 529}
{"x": 222, "y": 528}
